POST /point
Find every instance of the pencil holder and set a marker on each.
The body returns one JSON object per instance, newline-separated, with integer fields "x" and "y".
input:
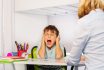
{"x": 20, "y": 52}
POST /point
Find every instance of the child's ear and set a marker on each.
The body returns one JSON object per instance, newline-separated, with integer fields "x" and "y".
{"x": 58, "y": 36}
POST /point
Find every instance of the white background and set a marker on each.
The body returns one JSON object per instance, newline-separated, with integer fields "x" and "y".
{"x": 29, "y": 28}
{"x": 33, "y": 4}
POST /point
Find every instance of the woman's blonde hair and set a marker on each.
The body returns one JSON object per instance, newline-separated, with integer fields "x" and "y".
{"x": 85, "y": 6}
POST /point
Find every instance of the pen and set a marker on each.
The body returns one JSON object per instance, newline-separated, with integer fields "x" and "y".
{"x": 27, "y": 46}
{"x": 17, "y": 45}
{"x": 24, "y": 46}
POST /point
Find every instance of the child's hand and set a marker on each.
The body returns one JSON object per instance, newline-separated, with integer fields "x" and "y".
{"x": 58, "y": 39}
{"x": 43, "y": 38}
{"x": 43, "y": 41}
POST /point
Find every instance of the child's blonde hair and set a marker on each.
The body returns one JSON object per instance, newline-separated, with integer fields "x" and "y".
{"x": 85, "y": 6}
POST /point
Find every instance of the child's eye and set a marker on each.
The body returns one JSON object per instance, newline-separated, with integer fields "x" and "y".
{"x": 46, "y": 34}
{"x": 52, "y": 34}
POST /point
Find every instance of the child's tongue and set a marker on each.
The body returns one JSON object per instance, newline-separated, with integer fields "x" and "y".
{"x": 49, "y": 42}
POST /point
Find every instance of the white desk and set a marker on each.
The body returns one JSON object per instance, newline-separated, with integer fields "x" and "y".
{"x": 43, "y": 62}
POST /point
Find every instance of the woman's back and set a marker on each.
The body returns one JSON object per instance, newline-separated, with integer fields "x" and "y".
{"x": 94, "y": 50}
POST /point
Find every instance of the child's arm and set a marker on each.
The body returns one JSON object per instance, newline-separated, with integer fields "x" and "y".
{"x": 59, "y": 53}
{"x": 42, "y": 50}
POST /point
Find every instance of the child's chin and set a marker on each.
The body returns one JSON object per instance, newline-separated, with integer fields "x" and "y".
{"x": 49, "y": 46}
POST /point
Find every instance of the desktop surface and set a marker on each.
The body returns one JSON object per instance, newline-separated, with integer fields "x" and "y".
{"x": 43, "y": 62}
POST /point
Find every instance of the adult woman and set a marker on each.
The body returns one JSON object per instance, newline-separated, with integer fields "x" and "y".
{"x": 89, "y": 36}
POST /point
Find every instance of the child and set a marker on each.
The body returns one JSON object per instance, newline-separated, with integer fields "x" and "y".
{"x": 50, "y": 47}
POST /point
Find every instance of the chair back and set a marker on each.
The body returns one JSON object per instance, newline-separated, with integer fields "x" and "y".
{"x": 33, "y": 55}
{"x": 34, "y": 52}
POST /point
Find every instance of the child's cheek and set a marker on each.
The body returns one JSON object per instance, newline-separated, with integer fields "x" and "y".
{"x": 45, "y": 40}
{"x": 54, "y": 40}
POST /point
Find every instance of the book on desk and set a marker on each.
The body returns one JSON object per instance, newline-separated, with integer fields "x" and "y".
{"x": 11, "y": 59}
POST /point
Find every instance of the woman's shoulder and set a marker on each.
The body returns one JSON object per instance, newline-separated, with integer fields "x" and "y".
{"x": 91, "y": 19}
{"x": 92, "y": 16}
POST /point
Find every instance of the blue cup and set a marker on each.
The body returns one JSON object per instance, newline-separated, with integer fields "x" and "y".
{"x": 14, "y": 53}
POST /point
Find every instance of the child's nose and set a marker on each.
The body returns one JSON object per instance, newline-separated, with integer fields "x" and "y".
{"x": 49, "y": 36}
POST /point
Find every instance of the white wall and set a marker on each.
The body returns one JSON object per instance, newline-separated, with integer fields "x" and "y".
{"x": 29, "y": 27}
{"x": 8, "y": 8}
{"x": 33, "y": 4}
{"x": 1, "y": 65}
{"x": 65, "y": 24}
{"x": 0, "y": 26}
{"x": 6, "y": 21}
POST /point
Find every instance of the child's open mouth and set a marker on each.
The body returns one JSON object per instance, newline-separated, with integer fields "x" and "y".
{"x": 49, "y": 42}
